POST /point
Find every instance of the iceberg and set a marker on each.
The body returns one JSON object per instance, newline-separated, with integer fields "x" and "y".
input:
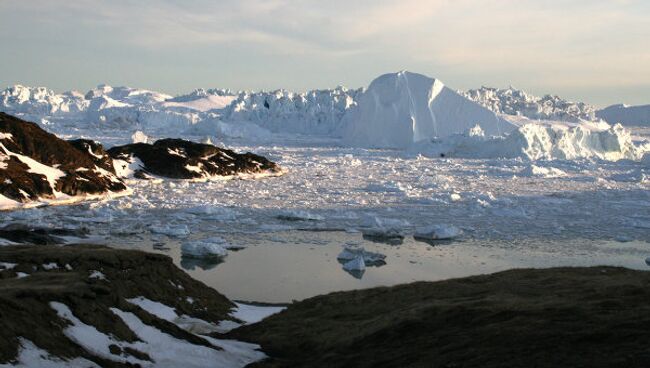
{"x": 402, "y": 109}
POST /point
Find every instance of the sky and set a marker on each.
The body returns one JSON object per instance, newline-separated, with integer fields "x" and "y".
{"x": 595, "y": 51}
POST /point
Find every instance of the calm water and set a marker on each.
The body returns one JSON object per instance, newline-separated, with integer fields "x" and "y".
{"x": 293, "y": 265}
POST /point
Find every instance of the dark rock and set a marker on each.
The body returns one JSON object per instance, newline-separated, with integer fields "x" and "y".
{"x": 171, "y": 158}
{"x": 84, "y": 173}
{"x": 558, "y": 317}
{"x": 24, "y": 234}
{"x": 25, "y": 310}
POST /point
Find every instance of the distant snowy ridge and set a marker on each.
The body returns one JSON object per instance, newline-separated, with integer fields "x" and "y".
{"x": 511, "y": 101}
{"x": 626, "y": 115}
{"x": 199, "y": 112}
{"x": 315, "y": 112}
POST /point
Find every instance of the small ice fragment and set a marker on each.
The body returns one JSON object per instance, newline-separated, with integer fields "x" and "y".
{"x": 355, "y": 264}
{"x": 437, "y": 232}
{"x": 179, "y": 231}
{"x": 370, "y": 258}
{"x": 203, "y": 249}
{"x": 299, "y": 215}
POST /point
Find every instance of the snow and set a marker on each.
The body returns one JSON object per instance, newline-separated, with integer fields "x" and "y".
{"x": 51, "y": 174}
{"x": 30, "y": 356}
{"x": 94, "y": 274}
{"x": 165, "y": 350}
{"x": 50, "y": 266}
{"x": 402, "y": 109}
{"x": 249, "y": 313}
{"x": 626, "y": 115}
{"x": 127, "y": 168}
{"x": 437, "y": 232}
{"x": 8, "y": 265}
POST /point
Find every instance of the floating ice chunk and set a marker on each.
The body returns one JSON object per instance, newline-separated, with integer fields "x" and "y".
{"x": 352, "y": 252}
{"x": 139, "y": 137}
{"x": 455, "y": 197}
{"x": 299, "y": 215}
{"x": 437, "y": 232}
{"x": 546, "y": 172}
{"x": 379, "y": 227}
{"x": 178, "y": 231}
{"x": 356, "y": 264}
{"x": 213, "y": 212}
{"x": 204, "y": 249}
{"x": 20, "y": 275}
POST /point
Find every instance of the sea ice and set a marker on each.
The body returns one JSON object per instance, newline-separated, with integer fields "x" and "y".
{"x": 437, "y": 232}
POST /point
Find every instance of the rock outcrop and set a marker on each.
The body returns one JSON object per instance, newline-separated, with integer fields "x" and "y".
{"x": 38, "y": 166}
{"x": 181, "y": 159}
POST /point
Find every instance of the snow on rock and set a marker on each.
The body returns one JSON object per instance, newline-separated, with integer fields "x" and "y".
{"x": 206, "y": 248}
{"x": 31, "y": 356}
{"x": 511, "y": 101}
{"x": 401, "y": 109}
{"x": 182, "y": 159}
{"x": 37, "y": 167}
{"x": 437, "y": 232}
{"x": 626, "y": 115}
{"x": 163, "y": 349}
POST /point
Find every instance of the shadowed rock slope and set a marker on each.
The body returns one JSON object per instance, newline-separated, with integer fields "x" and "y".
{"x": 181, "y": 159}
{"x": 562, "y": 317}
{"x": 90, "y": 280}
{"x": 35, "y": 164}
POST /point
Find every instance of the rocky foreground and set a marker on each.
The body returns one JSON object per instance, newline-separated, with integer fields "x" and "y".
{"x": 558, "y": 317}
{"x": 86, "y": 305}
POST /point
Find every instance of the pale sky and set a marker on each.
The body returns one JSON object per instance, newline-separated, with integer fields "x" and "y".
{"x": 595, "y": 51}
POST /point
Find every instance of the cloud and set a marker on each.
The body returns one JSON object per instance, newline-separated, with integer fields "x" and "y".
{"x": 582, "y": 42}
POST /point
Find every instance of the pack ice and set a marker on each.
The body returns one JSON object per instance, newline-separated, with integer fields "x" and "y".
{"x": 401, "y": 109}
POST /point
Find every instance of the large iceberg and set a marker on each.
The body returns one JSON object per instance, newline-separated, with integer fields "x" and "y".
{"x": 401, "y": 109}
